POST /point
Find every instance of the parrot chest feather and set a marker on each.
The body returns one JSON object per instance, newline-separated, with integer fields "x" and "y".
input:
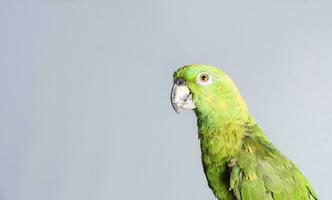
{"x": 218, "y": 146}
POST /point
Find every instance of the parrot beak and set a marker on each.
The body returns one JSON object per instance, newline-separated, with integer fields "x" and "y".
{"x": 181, "y": 97}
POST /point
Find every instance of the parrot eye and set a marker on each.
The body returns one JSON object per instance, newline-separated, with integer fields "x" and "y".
{"x": 203, "y": 79}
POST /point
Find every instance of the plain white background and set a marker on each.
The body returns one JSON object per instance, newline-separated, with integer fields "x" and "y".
{"x": 84, "y": 105}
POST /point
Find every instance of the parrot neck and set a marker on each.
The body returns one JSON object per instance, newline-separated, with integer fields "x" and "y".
{"x": 223, "y": 132}
{"x": 211, "y": 120}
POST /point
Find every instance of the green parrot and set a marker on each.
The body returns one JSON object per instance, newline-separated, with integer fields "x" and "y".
{"x": 239, "y": 161}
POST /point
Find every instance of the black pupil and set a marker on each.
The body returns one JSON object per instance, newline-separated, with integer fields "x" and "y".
{"x": 204, "y": 77}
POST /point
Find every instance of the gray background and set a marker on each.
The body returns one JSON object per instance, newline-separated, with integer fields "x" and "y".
{"x": 84, "y": 107}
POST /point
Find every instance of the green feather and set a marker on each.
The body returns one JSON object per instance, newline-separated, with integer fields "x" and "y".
{"x": 239, "y": 160}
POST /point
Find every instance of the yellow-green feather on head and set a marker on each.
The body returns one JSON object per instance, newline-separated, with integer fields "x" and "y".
{"x": 215, "y": 98}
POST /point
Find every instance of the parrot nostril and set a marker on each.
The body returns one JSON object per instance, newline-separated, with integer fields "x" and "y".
{"x": 180, "y": 82}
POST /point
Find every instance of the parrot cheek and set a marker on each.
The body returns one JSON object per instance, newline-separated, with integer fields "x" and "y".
{"x": 181, "y": 97}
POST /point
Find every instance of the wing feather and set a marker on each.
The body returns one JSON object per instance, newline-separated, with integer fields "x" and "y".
{"x": 261, "y": 172}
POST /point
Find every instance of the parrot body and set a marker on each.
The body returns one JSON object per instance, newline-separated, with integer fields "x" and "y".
{"x": 239, "y": 161}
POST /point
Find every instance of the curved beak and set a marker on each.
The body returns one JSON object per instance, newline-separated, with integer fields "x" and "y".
{"x": 181, "y": 97}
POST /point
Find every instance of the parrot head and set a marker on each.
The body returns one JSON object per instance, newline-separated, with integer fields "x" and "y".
{"x": 208, "y": 91}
